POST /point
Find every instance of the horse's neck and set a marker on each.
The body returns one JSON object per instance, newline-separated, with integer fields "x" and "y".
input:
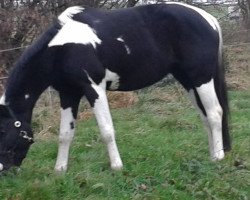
{"x": 23, "y": 90}
{"x": 31, "y": 75}
{"x": 23, "y": 104}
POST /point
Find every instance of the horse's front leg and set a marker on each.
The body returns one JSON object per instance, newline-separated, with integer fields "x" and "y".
{"x": 102, "y": 113}
{"x": 69, "y": 107}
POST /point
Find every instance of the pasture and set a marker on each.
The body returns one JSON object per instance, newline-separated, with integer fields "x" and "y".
{"x": 163, "y": 145}
{"x": 162, "y": 142}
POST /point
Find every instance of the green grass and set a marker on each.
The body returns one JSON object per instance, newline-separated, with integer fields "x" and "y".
{"x": 164, "y": 150}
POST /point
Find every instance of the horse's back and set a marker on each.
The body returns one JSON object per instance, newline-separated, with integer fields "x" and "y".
{"x": 142, "y": 44}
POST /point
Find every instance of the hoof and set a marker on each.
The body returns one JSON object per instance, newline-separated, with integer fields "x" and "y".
{"x": 117, "y": 166}
{"x": 219, "y": 155}
{"x": 61, "y": 168}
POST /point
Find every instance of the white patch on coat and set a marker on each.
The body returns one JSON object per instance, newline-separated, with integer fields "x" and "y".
{"x": 125, "y": 45}
{"x": 26, "y": 96}
{"x": 114, "y": 78}
{"x": 75, "y": 32}
{"x": 220, "y": 42}
{"x": 1, "y": 167}
{"x": 67, "y": 15}
{"x": 96, "y": 21}
{"x": 120, "y": 39}
{"x": 2, "y": 100}
{"x": 65, "y": 138}
{"x": 109, "y": 76}
{"x": 214, "y": 113}
{"x": 209, "y": 18}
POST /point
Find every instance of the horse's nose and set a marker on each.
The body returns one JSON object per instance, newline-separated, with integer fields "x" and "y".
{"x": 1, "y": 167}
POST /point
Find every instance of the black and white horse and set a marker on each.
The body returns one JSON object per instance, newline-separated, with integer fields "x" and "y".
{"x": 88, "y": 51}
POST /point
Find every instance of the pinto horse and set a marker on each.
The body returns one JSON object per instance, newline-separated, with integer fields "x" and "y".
{"x": 87, "y": 51}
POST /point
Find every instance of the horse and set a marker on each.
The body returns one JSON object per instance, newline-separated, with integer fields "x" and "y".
{"x": 87, "y": 51}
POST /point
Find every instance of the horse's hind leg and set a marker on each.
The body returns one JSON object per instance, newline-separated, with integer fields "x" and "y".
{"x": 96, "y": 95}
{"x": 69, "y": 107}
{"x": 212, "y": 112}
{"x": 205, "y": 99}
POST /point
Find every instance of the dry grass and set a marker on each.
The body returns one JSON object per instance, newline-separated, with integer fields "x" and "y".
{"x": 238, "y": 69}
{"x": 116, "y": 100}
{"x": 47, "y": 111}
{"x": 122, "y": 99}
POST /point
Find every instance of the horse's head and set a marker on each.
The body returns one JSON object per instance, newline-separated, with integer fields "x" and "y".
{"x": 15, "y": 139}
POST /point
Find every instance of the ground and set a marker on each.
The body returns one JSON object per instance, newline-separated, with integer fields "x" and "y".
{"x": 161, "y": 140}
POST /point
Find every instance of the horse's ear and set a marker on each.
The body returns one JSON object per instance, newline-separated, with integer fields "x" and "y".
{"x": 4, "y": 112}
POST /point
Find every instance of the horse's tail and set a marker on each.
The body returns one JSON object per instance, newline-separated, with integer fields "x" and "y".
{"x": 221, "y": 91}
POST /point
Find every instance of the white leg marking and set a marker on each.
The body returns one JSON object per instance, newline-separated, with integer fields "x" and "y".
{"x": 75, "y": 32}
{"x": 104, "y": 120}
{"x": 65, "y": 138}
{"x": 204, "y": 119}
{"x": 214, "y": 113}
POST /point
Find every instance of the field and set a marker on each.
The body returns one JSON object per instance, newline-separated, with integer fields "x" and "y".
{"x": 162, "y": 143}
{"x": 164, "y": 149}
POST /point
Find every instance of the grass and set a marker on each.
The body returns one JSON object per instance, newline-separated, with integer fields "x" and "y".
{"x": 164, "y": 150}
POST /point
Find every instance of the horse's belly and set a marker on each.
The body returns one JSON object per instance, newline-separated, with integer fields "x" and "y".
{"x": 137, "y": 78}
